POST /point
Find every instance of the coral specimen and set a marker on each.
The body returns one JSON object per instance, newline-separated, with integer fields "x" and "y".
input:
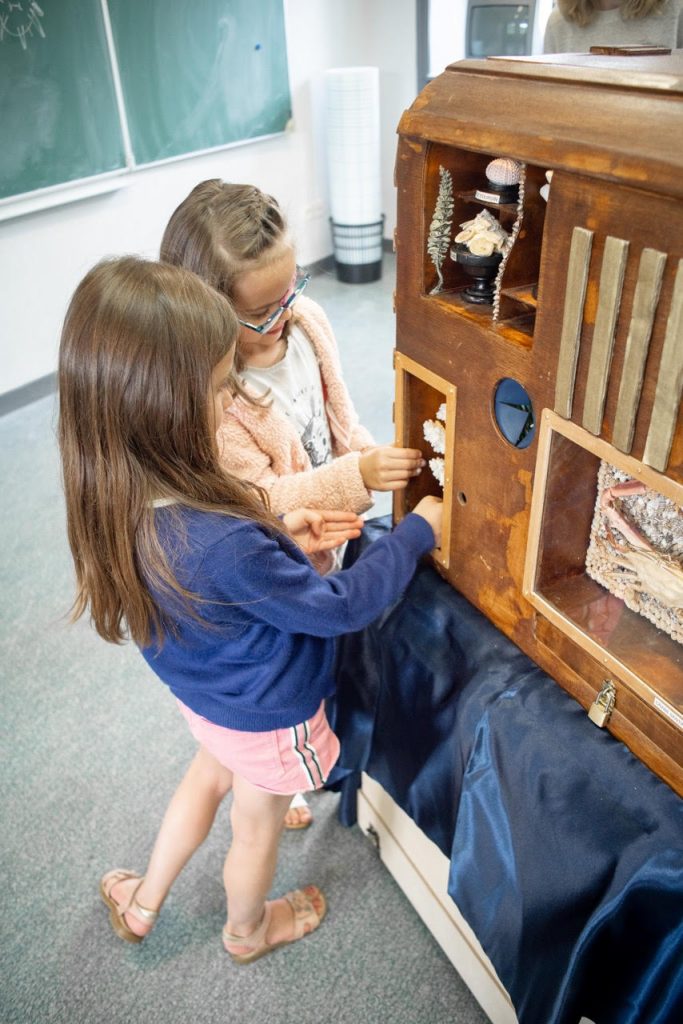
{"x": 435, "y": 435}
{"x": 440, "y": 229}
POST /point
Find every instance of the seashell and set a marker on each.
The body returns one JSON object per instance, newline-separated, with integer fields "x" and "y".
{"x": 465, "y": 235}
{"x": 485, "y": 219}
{"x": 493, "y": 236}
{"x": 503, "y": 171}
{"x": 480, "y": 246}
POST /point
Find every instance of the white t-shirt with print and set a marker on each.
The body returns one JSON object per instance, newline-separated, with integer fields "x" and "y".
{"x": 296, "y": 390}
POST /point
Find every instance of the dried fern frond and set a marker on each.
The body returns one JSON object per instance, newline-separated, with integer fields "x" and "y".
{"x": 439, "y": 238}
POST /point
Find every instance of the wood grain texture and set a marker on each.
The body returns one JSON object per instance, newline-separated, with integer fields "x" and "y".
{"x": 614, "y": 258}
{"x": 669, "y": 384}
{"x": 615, "y": 145}
{"x": 570, "y": 338}
{"x": 645, "y": 301}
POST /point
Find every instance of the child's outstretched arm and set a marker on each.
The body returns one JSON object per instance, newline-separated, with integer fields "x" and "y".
{"x": 321, "y": 531}
{"x": 252, "y": 570}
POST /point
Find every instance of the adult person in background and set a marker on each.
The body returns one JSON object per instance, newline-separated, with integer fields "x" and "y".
{"x": 576, "y": 25}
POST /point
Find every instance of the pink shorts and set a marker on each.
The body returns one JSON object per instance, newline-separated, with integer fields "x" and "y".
{"x": 291, "y": 760}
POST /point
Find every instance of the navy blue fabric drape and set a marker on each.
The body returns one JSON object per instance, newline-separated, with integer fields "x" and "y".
{"x": 566, "y": 851}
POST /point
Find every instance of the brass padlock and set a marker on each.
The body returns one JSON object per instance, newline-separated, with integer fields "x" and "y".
{"x": 602, "y": 707}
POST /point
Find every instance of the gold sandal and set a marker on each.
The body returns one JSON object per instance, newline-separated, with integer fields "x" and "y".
{"x": 306, "y": 920}
{"x": 117, "y": 912}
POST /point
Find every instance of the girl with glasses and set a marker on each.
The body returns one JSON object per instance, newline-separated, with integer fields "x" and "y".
{"x": 189, "y": 563}
{"x": 292, "y": 428}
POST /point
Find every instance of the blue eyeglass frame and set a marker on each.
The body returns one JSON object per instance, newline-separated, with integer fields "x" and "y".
{"x": 302, "y": 279}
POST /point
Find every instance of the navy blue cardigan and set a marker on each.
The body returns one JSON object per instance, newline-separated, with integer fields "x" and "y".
{"x": 262, "y": 658}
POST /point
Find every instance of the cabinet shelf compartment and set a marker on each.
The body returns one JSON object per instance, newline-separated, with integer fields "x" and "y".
{"x": 470, "y": 196}
{"x": 525, "y": 294}
{"x": 419, "y": 393}
{"x": 632, "y": 650}
{"x": 522, "y": 265}
{"x": 518, "y": 329}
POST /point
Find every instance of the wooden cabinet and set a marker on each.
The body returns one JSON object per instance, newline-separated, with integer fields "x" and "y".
{"x": 586, "y": 328}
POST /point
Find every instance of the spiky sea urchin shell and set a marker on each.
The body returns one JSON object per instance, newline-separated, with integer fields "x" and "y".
{"x": 503, "y": 171}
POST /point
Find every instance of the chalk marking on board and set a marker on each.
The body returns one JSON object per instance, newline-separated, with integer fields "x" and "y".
{"x": 17, "y": 23}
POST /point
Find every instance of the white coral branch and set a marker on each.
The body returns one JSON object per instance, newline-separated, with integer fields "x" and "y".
{"x": 438, "y": 468}
{"x": 435, "y": 435}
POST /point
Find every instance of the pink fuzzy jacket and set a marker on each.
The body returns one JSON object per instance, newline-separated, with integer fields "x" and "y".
{"x": 258, "y": 443}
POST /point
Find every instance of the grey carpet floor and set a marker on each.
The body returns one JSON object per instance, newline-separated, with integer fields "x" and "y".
{"x": 93, "y": 748}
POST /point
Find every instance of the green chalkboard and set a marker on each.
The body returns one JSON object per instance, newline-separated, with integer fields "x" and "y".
{"x": 197, "y": 74}
{"x": 58, "y": 116}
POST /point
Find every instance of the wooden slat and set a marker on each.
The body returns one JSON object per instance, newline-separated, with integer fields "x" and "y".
{"x": 669, "y": 384}
{"x": 645, "y": 299}
{"x": 574, "y": 297}
{"x": 609, "y": 299}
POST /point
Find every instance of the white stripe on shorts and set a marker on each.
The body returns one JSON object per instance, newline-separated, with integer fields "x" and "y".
{"x": 306, "y": 752}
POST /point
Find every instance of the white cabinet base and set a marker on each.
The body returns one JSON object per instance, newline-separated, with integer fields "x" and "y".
{"x": 421, "y": 870}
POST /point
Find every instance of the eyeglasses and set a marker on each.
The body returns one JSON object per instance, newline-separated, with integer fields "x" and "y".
{"x": 300, "y": 282}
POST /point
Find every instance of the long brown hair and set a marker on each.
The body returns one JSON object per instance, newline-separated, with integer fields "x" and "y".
{"x": 221, "y": 230}
{"x": 138, "y": 347}
{"x": 582, "y": 12}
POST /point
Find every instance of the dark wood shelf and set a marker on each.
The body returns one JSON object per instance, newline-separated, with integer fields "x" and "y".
{"x": 470, "y": 197}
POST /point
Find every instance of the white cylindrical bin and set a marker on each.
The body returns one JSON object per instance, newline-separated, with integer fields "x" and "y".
{"x": 353, "y": 164}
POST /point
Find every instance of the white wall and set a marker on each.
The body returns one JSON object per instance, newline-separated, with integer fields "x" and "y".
{"x": 44, "y": 255}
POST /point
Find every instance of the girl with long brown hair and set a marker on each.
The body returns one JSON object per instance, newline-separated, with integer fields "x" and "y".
{"x": 292, "y": 428}
{"x": 188, "y": 562}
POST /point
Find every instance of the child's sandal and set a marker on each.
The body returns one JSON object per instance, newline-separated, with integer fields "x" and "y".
{"x": 117, "y": 911}
{"x": 298, "y": 814}
{"x": 306, "y": 920}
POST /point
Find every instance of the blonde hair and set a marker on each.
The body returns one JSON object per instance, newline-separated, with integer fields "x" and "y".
{"x": 582, "y": 12}
{"x": 139, "y": 344}
{"x": 221, "y": 230}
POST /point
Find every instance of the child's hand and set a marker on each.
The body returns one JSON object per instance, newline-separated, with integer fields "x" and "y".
{"x": 319, "y": 530}
{"x": 431, "y": 509}
{"x": 387, "y": 468}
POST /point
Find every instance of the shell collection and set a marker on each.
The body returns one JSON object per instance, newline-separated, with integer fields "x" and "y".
{"x": 545, "y": 189}
{"x": 636, "y": 549}
{"x": 482, "y": 235}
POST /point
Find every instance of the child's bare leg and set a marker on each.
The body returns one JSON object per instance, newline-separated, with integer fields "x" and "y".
{"x": 184, "y": 828}
{"x": 257, "y": 820}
